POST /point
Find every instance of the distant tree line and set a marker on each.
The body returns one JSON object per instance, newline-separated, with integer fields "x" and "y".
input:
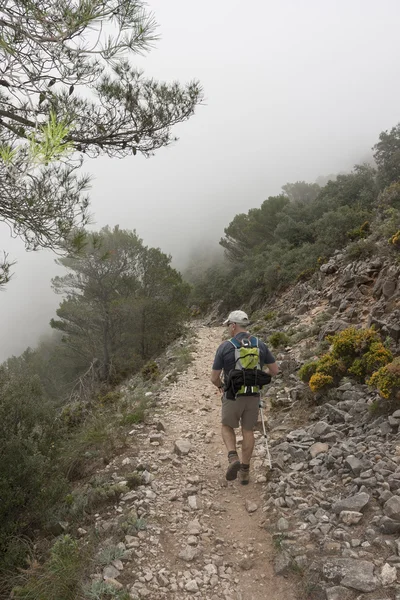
{"x": 268, "y": 248}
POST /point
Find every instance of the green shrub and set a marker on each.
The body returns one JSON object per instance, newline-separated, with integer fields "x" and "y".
{"x": 134, "y": 480}
{"x": 58, "y": 578}
{"x": 305, "y": 275}
{"x": 110, "y": 398}
{"x": 361, "y": 250}
{"x": 387, "y": 380}
{"x": 150, "y": 371}
{"x": 360, "y": 232}
{"x": 278, "y": 339}
{"x": 270, "y": 315}
{"x": 307, "y": 370}
{"x": 108, "y": 554}
{"x": 102, "y": 590}
{"x": 137, "y": 416}
{"x": 395, "y": 239}
{"x": 357, "y": 352}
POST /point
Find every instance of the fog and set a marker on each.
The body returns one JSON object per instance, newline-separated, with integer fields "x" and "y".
{"x": 293, "y": 90}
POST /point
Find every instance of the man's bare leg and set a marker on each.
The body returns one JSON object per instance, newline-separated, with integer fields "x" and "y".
{"x": 247, "y": 445}
{"x": 229, "y": 438}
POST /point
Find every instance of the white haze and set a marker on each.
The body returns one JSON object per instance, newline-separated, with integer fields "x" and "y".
{"x": 293, "y": 90}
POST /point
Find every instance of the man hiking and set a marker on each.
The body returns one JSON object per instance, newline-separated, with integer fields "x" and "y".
{"x": 244, "y": 408}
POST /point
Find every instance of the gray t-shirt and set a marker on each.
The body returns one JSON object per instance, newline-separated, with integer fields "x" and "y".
{"x": 225, "y": 355}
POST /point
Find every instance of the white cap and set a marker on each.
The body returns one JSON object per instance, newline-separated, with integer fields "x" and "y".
{"x": 237, "y": 316}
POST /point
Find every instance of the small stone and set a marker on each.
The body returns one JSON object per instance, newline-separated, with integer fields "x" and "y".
{"x": 337, "y": 593}
{"x": 110, "y": 572}
{"x": 251, "y": 506}
{"x": 188, "y": 553}
{"x": 388, "y": 574}
{"x": 318, "y": 448}
{"x": 392, "y": 508}
{"x": 350, "y": 517}
{"x": 194, "y": 527}
{"x": 353, "y": 464}
{"x": 246, "y": 563}
{"x": 192, "y": 501}
{"x": 283, "y": 524}
{"x": 126, "y": 461}
{"x": 182, "y": 447}
{"x": 282, "y": 563}
{"x": 192, "y": 586}
{"x": 356, "y": 503}
{"x": 192, "y": 540}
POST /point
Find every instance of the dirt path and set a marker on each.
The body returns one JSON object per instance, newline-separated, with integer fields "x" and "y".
{"x": 201, "y": 541}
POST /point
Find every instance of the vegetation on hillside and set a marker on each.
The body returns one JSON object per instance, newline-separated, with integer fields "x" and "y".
{"x": 291, "y": 235}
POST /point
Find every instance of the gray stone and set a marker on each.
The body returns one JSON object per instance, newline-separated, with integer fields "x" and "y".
{"x": 391, "y": 508}
{"x": 338, "y": 593}
{"x": 246, "y": 563}
{"x": 356, "y": 503}
{"x": 350, "y": 517}
{"x": 188, "y": 553}
{"x": 389, "y": 526}
{"x": 251, "y": 506}
{"x": 282, "y": 563}
{"x": 283, "y": 524}
{"x": 182, "y": 447}
{"x": 351, "y": 573}
{"x": 388, "y": 574}
{"x": 354, "y": 464}
{"x": 110, "y": 572}
{"x": 359, "y": 575}
{"x": 320, "y": 429}
{"x": 318, "y": 448}
{"x": 192, "y": 586}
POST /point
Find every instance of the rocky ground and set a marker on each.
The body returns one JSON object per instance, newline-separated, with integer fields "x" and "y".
{"x": 185, "y": 532}
{"x": 323, "y": 525}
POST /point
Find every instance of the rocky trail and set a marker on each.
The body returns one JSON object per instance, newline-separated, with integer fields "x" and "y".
{"x": 198, "y": 535}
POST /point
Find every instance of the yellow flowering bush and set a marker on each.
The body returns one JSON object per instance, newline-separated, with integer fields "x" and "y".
{"x": 387, "y": 380}
{"x": 319, "y": 381}
{"x": 356, "y": 352}
{"x": 395, "y": 239}
{"x": 307, "y": 371}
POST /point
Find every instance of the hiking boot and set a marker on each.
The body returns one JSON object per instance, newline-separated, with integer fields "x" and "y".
{"x": 244, "y": 476}
{"x": 233, "y": 468}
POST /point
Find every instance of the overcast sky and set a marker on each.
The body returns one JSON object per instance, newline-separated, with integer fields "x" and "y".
{"x": 294, "y": 89}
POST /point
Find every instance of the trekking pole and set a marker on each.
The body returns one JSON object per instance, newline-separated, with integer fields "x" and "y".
{"x": 265, "y": 435}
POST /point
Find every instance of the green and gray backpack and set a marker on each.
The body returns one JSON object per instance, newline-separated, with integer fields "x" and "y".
{"x": 247, "y": 378}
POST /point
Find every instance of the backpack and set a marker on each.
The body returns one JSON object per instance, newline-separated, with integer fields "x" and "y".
{"x": 246, "y": 378}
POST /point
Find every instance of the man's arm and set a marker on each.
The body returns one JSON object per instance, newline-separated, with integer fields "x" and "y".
{"x": 216, "y": 378}
{"x": 272, "y": 368}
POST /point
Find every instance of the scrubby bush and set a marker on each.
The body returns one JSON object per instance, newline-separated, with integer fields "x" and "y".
{"x": 360, "y": 250}
{"x": 58, "y": 578}
{"x": 150, "y": 371}
{"x": 360, "y": 232}
{"x": 356, "y": 352}
{"x": 278, "y": 339}
{"x": 307, "y": 371}
{"x": 395, "y": 239}
{"x": 387, "y": 380}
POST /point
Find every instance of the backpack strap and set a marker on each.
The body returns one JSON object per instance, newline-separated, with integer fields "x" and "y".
{"x": 235, "y": 343}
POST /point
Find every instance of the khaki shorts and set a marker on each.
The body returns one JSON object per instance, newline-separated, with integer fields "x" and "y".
{"x": 244, "y": 410}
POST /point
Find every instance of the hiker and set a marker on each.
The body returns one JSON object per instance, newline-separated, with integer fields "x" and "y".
{"x": 244, "y": 408}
